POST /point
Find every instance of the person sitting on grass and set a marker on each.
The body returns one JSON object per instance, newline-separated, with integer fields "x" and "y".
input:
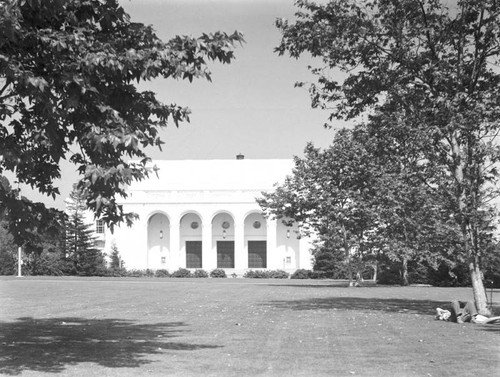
{"x": 464, "y": 312}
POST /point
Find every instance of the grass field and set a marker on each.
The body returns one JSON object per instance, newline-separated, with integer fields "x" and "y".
{"x": 235, "y": 327}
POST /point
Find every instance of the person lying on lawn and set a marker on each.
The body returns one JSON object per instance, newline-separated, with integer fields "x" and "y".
{"x": 464, "y": 312}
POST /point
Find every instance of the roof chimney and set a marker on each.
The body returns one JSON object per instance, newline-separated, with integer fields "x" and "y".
{"x": 240, "y": 156}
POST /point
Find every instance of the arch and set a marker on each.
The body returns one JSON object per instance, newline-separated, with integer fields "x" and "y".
{"x": 221, "y": 212}
{"x": 251, "y": 212}
{"x": 158, "y": 247}
{"x": 189, "y": 211}
{"x": 223, "y": 225}
{"x": 255, "y": 226}
{"x": 190, "y": 233}
{"x": 157, "y": 212}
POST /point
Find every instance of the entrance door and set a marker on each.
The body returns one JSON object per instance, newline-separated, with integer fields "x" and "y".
{"x": 257, "y": 254}
{"x": 225, "y": 254}
{"x": 193, "y": 254}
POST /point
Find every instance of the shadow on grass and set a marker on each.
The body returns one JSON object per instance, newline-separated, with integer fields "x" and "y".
{"x": 404, "y": 306}
{"x": 51, "y": 345}
{"x": 424, "y": 307}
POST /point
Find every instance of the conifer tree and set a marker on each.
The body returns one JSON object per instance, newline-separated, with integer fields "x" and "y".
{"x": 82, "y": 255}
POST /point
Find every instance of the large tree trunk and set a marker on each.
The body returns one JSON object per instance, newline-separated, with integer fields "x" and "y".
{"x": 476, "y": 276}
{"x": 466, "y": 222}
{"x": 480, "y": 298}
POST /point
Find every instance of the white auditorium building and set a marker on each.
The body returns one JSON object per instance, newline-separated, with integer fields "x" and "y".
{"x": 203, "y": 214}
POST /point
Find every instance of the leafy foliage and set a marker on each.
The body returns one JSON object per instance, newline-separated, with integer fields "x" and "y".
{"x": 419, "y": 72}
{"x": 266, "y": 274}
{"x": 81, "y": 252}
{"x": 67, "y": 92}
{"x": 301, "y": 274}
{"x": 218, "y": 273}
{"x": 182, "y": 273}
{"x": 161, "y": 273}
{"x": 200, "y": 274}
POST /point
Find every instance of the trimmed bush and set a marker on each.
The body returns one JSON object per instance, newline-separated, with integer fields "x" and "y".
{"x": 301, "y": 274}
{"x": 256, "y": 274}
{"x": 263, "y": 274}
{"x": 162, "y": 273}
{"x": 182, "y": 273}
{"x": 278, "y": 274}
{"x": 218, "y": 273}
{"x": 200, "y": 274}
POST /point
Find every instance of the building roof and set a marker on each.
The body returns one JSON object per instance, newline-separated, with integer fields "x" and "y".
{"x": 238, "y": 174}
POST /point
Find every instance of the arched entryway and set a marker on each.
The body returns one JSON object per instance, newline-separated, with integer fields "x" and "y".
{"x": 223, "y": 240}
{"x": 256, "y": 240}
{"x": 191, "y": 240}
{"x": 158, "y": 241}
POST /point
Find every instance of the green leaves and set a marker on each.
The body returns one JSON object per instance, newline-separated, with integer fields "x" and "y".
{"x": 424, "y": 78}
{"x": 67, "y": 82}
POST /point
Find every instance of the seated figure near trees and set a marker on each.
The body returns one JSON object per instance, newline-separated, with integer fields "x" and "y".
{"x": 464, "y": 311}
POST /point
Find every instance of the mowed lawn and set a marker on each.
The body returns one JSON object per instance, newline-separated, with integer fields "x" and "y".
{"x": 235, "y": 327}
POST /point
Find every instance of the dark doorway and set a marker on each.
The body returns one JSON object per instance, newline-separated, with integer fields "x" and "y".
{"x": 193, "y": 254}
{"x": 257, "y": 254}
{"x": 225, "y": 254}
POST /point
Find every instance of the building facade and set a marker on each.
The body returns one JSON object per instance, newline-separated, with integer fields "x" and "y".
{"x": 203, "y": 214}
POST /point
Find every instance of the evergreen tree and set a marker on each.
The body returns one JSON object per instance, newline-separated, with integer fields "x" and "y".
{"x": 82, "y": 255}
{"x": 116, "y": 266}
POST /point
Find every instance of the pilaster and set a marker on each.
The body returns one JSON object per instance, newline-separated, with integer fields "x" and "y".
{"x": 273, "y": 257}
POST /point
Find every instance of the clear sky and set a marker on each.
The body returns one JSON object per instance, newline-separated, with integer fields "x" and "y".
{"x": 250, "y": 107}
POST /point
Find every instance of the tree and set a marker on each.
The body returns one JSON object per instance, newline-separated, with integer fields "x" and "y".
{"x": 420, "y": 69}
{"x": 116, "y": 261}
{"x": 8, "y": 251}
{"x": 365, "y": 204}
{"x": 7, "y": 246}
{"x": 81, "y": 252}
{"x": 328, "y": 194}
{"x": 67, "y": 92}
{"x": 116, "y": 265}
{"x": 30, "y": 225}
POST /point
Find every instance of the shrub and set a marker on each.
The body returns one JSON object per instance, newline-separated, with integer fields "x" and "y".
{"x": 278, "y": 274}
{"x": 117, "y": 272}
{"x": 256, "y": 274}
{"x": 162, "y": 273}
{"x": 136, "y": 273}
{"x": 200, "y": 274}
{"x": 301, "y": 274}
{"x": 182, "y": 273}
{"x": 218, "y": 273}
{"x": 263, "y": 274}
{"x": 318, "y": 275}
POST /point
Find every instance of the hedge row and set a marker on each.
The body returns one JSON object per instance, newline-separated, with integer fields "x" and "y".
{"x": 263, "y": 274}
{"x": 180, "y": 273}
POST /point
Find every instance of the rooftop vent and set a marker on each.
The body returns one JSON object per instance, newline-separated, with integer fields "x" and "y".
{"x": 240, "y": 156}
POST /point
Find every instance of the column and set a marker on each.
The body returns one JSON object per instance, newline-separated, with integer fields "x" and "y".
{"x": 240, "y": 257}
{"x": 273, "y": 258}
{"x": 175, "y": 247}
{"x": 207, "y": 259}
{"x": 305, "y": 260}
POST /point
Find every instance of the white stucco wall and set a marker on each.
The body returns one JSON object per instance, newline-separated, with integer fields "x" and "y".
{"x": 209, "y": 192}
